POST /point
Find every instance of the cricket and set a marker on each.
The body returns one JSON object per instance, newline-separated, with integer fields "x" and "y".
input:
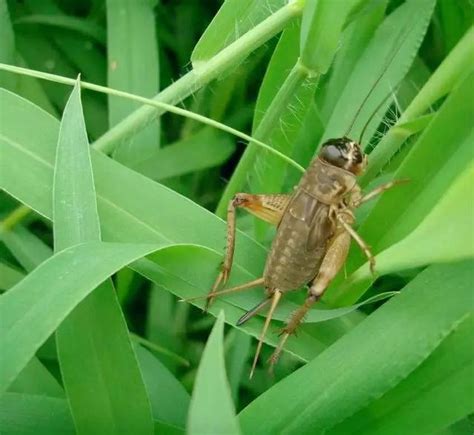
{"x": 314, "y": 230}
{"x": 314, "y": 233}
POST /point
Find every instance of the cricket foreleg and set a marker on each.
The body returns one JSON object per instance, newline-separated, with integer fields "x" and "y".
{"x": 333, "y": 261}
{"x": 378, "y": 190}
{"x": 342, "y": 219}
{"x": 267, "y": 207}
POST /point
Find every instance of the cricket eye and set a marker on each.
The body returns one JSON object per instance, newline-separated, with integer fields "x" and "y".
{"x": 333, "y": 154}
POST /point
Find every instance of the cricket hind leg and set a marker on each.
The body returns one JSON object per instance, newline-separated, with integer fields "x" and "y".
{"x": 270, "y": 208}
{"x": 332, "y": 262}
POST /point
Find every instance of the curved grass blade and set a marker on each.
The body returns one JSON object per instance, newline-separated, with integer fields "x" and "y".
{"x": 211, "y": 409}
{"x": 368, "y": 361}
{"x": 94, "y": 337}
{"x": 421, "y": 399}
{"x": 133, "y": 66}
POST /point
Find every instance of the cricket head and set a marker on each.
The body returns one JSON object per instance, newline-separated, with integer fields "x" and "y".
{"x": 344, "y": 153}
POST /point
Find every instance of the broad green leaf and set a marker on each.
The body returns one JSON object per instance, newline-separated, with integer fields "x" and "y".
{"x": 69, "y": 277}
{"x": 234, "y": 18}
{"x": 211, "y": 409}
{"x": 33, "y": 414}
{"x": 383, "y": 64}
{"x": 369, "y": 360}
{"x": 203, "y": 150}
{"x": 94, "y": 337}
{"x": 321, "y": 30}
{"x": 132, "y": 55}
{"x": 435, "y": 395}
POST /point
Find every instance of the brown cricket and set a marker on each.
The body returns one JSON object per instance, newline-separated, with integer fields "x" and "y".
{"x": 314, "y": 232}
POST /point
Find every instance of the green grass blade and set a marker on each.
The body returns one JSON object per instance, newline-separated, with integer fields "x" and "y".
{"x": 34, "y": 414}
{"x": 368, "y": 361}
{"x": 35, "y": 378}
{"x": 211, "y": 409}
{"x": 455, "y": 67}
{"x": 268, "y": 172}
{"x": 94, "y": 337}
{"x": 203, "y": 150}
{"x": 169, "y": 400}
{"x": 24, "y": 331}
{"x": 9, "y": 276}
{"x": 198, "y": 77}
{"x": 25, "y": 247}
{"x": 445, "y": 234}
{"x": 74, "y": 204}
{"x": 133, "y": 66}
{"x": 321, "y": 29}
{"x": 383, "y": 64}
{"x": 74, "y": 24}
{"x": 234, "y": 18}
{"x": 435, "y": 395}
{"x": 7, "y": 44}
{"x": 354, "y": 40}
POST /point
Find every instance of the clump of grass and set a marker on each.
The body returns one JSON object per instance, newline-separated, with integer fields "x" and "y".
{"x": 111, "y": 209}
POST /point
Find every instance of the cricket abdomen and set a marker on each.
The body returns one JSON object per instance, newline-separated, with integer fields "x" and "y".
{"x": 299, "y": 245}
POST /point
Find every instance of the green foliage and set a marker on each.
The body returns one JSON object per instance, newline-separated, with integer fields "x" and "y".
{"x": 99, "y": 242}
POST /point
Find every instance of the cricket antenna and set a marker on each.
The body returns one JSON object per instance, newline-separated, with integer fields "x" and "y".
{"x": 379, "y": 78}
{"x": 377, "y": 109}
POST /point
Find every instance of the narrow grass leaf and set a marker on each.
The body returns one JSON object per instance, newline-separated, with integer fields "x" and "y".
{"x": 383, "y": 64}
{"x": 96, "y": 328}
{"x": 34, "y": 414}
{"x": 449, "y": 75}
{"x": 211, "y": 409}
{"x": 169, "y": 400}
{"x": 368, "y": 361}
{"x": 409, "y": 204}
{"x": 234, "y": 18}
{"x": 67, "y": 22}
{"x": 435, "y": 395}
{"x": 321, "y": 29}
{"x": 268, "y": 172}
{"x": 354, "y": 40}
{"x": 29, "y": 250}
{"x": 35, "y": 378}
{"x": 7, "y": 45}
{"x": 9, "y": 276}
{"x": 68, "y": 277}
{"x": 203, "y": 150}
{"x": 133, "y": 66}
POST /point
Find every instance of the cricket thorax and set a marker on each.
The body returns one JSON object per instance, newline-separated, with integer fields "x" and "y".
{"x": 327, "y": 183}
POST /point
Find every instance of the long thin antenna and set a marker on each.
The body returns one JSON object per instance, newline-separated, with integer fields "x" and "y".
{"x": 378, "y": 108}
{"x": 387, "y": 65}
